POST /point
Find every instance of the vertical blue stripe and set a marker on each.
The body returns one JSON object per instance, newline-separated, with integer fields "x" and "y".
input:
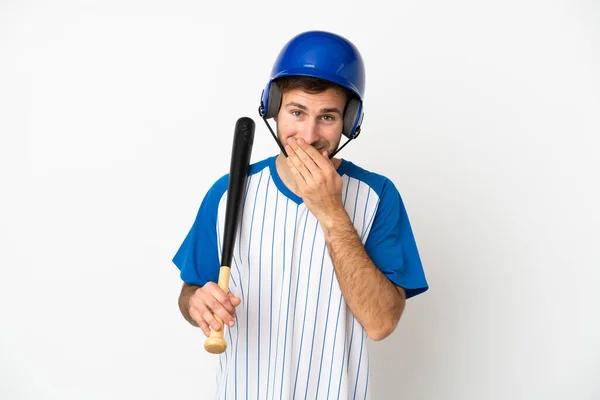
{"x": 287, "y": 202}
{"x": 262, "y": 231}
{"x": 351, "y": 339}
{"x": 372, "y": 217}
{"x": 362, "y": 341}
{"x": 249, "y": 278}
{"x": 220, "y": 376}
{"x": 353, "y": 319}
{"x": 325, "y": 337}
{"x": 356, "y": 202}
{"x": 312, "y": 345}
{"x": 312, "y": 248}
{"x": 365, "y": 215}
{"x": 346, "y": 194}
{"x": 228, "y": 360}
{"x": 343, "y": 359}
{"x": 368, "y": 375}
{"x": 298, "y": 274}
{"x": 334, "y": 343}
{"x": 271, "y": 298}
{"x": 287, "y": 314}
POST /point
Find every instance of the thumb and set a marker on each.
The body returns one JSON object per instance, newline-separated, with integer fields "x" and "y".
{"x": 326, "y": 156}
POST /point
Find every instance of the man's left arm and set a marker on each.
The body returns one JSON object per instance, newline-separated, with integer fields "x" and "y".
{"x": 375, "y": 301}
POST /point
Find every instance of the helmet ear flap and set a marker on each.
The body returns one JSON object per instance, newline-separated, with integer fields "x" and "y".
{"x": 272, "y": 102}
{"x": 351, "y": 116}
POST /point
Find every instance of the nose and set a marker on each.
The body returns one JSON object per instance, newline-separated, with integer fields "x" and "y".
{"x": 310, "y": 131}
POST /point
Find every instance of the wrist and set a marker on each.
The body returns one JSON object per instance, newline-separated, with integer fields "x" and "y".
{"x": 336, "y": 221}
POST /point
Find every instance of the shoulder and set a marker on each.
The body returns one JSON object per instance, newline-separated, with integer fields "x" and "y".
{"x": 380, "y": 184}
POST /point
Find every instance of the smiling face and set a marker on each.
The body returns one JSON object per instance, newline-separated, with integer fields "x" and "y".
{"x": 315, "y": 117}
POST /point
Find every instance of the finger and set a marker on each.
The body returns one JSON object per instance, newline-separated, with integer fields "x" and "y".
{"x": 208, "y": 316}
{"x": 297, "y": 165}
{"x": 302, "y": 150}
{"x": 321, "y": 159}
{"x": 300, "y": 180}
{"x": 211, "y": 300}
{"x": 235, "y": 301}
{"x": 212, "y": 294}
{"x": 219, "y": 310}
{"x": 200, "y": 321}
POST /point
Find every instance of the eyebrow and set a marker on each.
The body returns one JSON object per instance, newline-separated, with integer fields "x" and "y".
{"x": 323, "y": 110}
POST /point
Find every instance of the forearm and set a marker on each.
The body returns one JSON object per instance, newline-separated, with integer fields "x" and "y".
{"x": 187, "y": 291}
{"x": 373, "y": 299}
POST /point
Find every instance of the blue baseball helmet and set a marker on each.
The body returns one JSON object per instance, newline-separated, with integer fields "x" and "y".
{"x": 321, "y": 55}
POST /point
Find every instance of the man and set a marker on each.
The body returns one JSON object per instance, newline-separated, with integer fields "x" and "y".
{"x": 325, "y": 256}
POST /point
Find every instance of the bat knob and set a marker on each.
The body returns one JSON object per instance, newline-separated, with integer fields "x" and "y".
{"x": 215, "y": 345}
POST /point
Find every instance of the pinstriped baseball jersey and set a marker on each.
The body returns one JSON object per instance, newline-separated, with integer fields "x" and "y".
{"x": 295, "y": 337}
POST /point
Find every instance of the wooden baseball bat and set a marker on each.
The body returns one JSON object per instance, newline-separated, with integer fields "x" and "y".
{"x": 243, "y": 139}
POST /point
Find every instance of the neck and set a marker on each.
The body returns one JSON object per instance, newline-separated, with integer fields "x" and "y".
{"x": 286, "y": 176}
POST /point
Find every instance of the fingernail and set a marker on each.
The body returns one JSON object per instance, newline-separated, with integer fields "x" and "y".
{"x": 230, "y": 323}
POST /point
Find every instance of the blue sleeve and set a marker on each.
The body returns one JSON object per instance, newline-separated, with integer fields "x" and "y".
{"x": 391, "y": 244}
{"x": 198, "y": 255}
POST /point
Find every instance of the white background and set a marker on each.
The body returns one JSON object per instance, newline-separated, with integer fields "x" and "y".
{"x": 117, "y": 116}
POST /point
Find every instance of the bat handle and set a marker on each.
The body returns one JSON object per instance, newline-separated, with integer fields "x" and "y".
{"x": 215, "y": 343}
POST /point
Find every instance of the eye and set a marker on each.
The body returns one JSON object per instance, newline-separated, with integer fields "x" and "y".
{"x": 328, "y": 118}
{"x": 296, "y": 113}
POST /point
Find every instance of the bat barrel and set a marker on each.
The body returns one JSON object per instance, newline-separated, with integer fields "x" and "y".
{"x": 241, "y": 151}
